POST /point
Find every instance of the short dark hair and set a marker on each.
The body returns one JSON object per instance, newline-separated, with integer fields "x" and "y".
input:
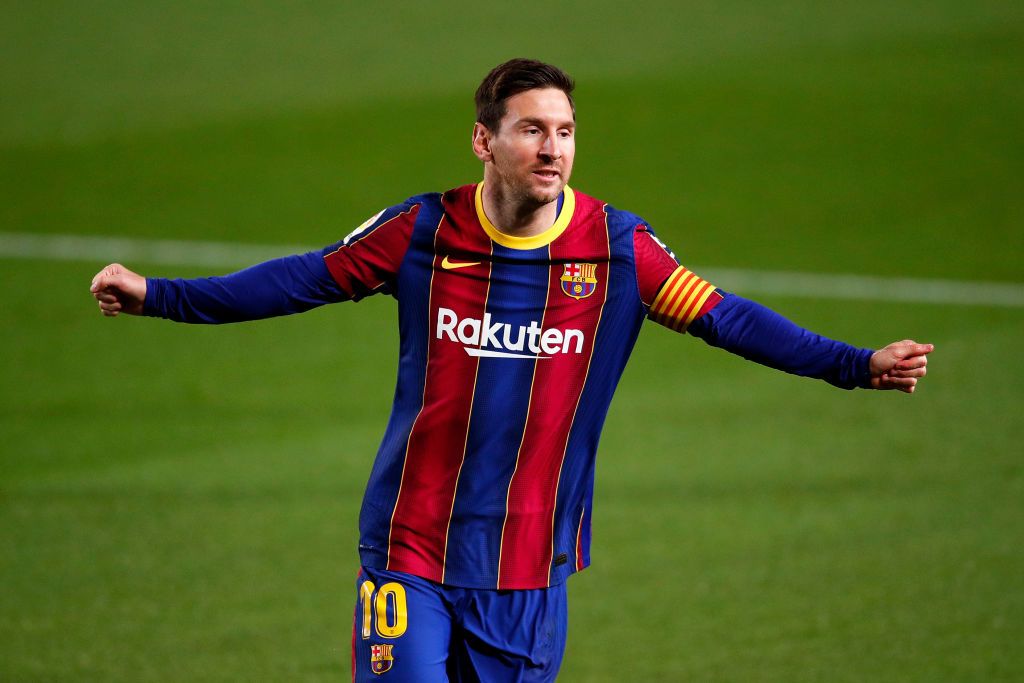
{"x": 513, "y": 77}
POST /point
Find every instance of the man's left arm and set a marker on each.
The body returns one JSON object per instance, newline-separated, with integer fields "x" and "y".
{"x": 682, "y": 301}
{"x": 757, "y": 333}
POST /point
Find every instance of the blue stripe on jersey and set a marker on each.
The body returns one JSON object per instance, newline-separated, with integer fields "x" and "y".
{"x": 518, "y": 290}
{"x": 616, "y": 334}
{"x": 413, "y": 295}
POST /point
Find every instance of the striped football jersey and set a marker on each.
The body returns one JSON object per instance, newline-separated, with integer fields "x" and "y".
{"x": 511, "y": 348}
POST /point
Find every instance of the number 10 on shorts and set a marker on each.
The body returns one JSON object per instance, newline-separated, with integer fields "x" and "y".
{"x": 384, "y": 611}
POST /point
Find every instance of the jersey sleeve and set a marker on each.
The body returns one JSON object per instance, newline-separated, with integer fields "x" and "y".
{"x": 674, "y": 296}
{"x": 364, "y": 263}
{"x": 291, "y": 284}
{"x": 683, "y": 301}
{"x": 757, "y": 333}
{"x": 367, "y": 261}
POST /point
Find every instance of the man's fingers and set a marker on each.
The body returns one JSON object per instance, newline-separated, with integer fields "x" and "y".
{"x": 110, "y": 306}
{"x": 106, "y": 283}
{"x": 906, "y": 384}
{"x": 913, "y": 372}
{"x": 912, "y": 362}
{"x": 99, "y": 280}
{"x": 104, "y": 296}
{"x": 909, "y": 348}
{"x": 899, "y": 365}
{"x": 116, "y": 286}
{"x": 106, "y": 277}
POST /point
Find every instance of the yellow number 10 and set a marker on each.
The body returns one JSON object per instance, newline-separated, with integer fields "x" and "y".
{"x": 389, "y": 592}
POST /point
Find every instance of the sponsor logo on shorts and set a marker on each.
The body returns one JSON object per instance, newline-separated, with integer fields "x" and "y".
{"x": 381, "y": 658}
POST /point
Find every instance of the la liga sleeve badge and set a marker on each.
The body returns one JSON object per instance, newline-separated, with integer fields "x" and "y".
{"x": 579, "y": 280}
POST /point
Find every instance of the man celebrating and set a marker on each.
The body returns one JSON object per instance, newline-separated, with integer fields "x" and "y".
{"x": 519, "y": 303}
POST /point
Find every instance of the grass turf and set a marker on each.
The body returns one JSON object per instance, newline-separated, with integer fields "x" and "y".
{"x": 179, "y": 503}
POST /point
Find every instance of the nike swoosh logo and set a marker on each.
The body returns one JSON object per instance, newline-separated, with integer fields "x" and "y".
{"x": 448, "y": 265}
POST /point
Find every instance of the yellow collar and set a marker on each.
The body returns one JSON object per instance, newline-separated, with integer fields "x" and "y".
{"x": 534, "y": 241}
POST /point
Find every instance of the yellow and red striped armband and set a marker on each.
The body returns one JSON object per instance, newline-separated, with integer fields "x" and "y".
{"x": 680, "y": 299}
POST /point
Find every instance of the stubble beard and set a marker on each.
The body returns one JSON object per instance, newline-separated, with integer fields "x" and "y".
{"x": 528, "y": 196}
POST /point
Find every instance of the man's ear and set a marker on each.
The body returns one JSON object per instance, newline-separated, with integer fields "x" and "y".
{"x": 482, "y": 142}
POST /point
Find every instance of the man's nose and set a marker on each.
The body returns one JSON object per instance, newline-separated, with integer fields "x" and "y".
{"x": 551, "y": 148}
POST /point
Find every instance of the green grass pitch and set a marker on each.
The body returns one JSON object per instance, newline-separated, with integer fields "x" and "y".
{"x": 179, "y": 503}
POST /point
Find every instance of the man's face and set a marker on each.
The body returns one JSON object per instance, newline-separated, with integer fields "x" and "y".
{"x": 533, "y": 149}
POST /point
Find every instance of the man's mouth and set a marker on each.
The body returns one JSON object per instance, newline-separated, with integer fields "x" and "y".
{"x": 547, "y": 173}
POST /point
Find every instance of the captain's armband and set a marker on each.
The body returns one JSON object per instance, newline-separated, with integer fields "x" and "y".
{"x": 682, "y": 299}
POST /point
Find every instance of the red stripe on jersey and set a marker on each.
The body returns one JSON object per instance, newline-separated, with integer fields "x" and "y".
{"x": 654, "y": 263}
{"x": 526, "y": 542}
{"x": 437, "y": 441}
{"x": 366, "y": 263}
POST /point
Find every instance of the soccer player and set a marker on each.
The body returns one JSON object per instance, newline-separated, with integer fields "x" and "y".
{"x": 519, "y": 301}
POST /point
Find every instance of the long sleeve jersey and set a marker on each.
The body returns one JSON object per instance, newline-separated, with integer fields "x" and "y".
{"x": 510, "y": 351}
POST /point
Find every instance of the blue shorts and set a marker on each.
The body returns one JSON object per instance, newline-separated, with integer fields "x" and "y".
{"x": 411, "y": 630}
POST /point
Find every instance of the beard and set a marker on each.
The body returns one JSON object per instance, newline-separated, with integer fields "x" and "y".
{"x": 524, "y": 189}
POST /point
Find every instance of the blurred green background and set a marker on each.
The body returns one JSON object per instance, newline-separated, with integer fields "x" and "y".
{"x": 179, "y": 503}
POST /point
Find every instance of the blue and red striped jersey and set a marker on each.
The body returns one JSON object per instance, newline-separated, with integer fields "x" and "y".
{"x": 511, "y": 348}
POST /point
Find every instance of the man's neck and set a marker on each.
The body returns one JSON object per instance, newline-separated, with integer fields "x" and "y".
{"x": 513, "y": 216}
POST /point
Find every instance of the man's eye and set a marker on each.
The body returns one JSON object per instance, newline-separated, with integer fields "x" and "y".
{"x": 565, "y": 134}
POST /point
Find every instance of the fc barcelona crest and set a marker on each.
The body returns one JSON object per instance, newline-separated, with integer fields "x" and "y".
{"x": 579, "y": 280}
{"x": 381, "y": 658}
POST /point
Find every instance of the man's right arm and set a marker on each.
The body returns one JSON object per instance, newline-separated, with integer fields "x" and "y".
{"x": 364, "y": 263}
{"x": 292, "y": 284}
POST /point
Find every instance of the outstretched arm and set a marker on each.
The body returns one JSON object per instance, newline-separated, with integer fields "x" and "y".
{"x": 279, "y": 287}
{"x": 757, "y": 333}
{"x": 364, "y": 263}
{"x": 682, "y": 301}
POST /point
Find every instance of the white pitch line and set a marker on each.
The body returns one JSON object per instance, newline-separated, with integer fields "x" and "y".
{"x": 104, "y": 250}
{"x": 160, "y": 252}
{"x": 864, "y": 287}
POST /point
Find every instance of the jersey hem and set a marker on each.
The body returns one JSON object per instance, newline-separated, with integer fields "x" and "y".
{"x": 376, "y": 559}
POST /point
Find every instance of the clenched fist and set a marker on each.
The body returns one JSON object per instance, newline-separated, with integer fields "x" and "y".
{"x": 119, "y": 290}
{"x": 899, "y": 365}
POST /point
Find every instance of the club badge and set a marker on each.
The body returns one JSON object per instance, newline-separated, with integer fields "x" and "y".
{"x": 579, "y": 280}
{"x": 381, "y": 658}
